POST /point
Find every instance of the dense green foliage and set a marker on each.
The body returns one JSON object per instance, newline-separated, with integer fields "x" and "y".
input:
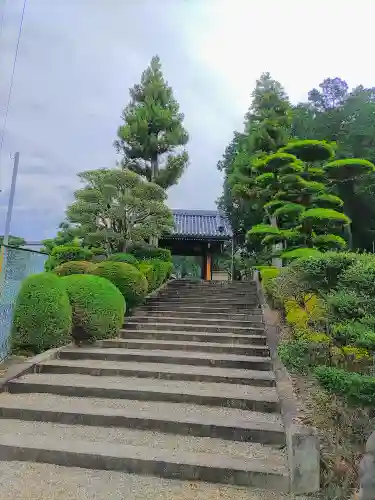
{"x": 42, "y": 314}
{"x": 152, "y": 134}
{"x": 65, "y": 253}
{"x": 123, "y": 257}
{"x": 98, "y": 307}
{"x": 129, "y": 280}
{"x": 74, "y": 267}
{"x": 345, "y": 121}
{"x": 146, "y": 252}
{"x": 329, "y": 303}
{"x": 116, "y": 208}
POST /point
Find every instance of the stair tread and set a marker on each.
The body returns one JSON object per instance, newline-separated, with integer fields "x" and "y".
{"x": 164, "y": 367}
{"x": 215, "y": 321}
{"x": 200, "y": 333}
{"x": 245, "y": 392}
{"x": 181, "y": 354}
{"x": 160, "y": 323}
{"x": 224, "y": 335}
{"x": 176, "y": 412}
{"x": 180, "y": 343}
{"x": 143, "y": 445}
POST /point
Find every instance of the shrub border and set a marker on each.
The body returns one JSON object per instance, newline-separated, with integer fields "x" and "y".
{"x": 302, "y": 443}
{"x": 31, "y": 365}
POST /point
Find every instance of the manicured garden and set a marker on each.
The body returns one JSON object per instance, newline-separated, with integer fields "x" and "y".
{"x": 84, "y": 295}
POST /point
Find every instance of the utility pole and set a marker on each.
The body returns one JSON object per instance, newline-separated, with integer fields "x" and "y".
{"x": 8, "y": 219}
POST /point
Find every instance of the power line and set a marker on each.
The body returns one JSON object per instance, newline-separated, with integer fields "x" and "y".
{"x": 12, "y": 77}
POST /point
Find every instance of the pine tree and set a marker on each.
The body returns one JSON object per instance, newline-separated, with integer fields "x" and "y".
{"x": 266, "y": 129}
{"x": 152, "y": 137}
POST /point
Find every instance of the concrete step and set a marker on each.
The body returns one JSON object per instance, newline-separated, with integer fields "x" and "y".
{"x": 164, "y": 356}
{"x": 202, "y": 309}
{"x": 263, "y": 399}
{"x": 216, "y": 317}
{"x": 36, "y": 481}
{"x": 160, "y": 371}
{"x": 183, "y": 345}
{"x": 134, "y": 324}
{"x": 206, "y": 300}
{"x": 198, "y": 311}
{"x": 224, "y": 338}
{"x": 144, "y": 452}
{"x": 170, "y": 418}
{"x": 193, "y": 293}
{"x": 173, "y": 318}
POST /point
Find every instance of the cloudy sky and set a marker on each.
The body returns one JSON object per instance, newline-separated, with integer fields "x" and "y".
{"x": 78, "y": 58}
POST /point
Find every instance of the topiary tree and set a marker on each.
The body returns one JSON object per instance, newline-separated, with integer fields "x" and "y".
{"x": 74, "y": 267}
{"x": 123, "y": 257}
{"x": 98, "y": 307}
{"x": 301, "y": 211}
{"x": 42, "y": 314}
{"x": 129, "y": 280}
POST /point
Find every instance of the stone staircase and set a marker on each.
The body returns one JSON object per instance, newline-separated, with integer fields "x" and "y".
{"x": 186, "y": 392}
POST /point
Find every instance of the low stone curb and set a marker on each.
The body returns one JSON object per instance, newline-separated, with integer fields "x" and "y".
{"x": 367, "y": 471}
{"x": 302, "y": 443}
{"x": 29, "y": 365}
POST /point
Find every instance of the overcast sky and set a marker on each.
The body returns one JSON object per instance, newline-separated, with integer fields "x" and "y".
{"x": 78, "y": 58}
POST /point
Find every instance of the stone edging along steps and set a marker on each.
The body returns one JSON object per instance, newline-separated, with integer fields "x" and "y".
{"x": 189, "y": 390}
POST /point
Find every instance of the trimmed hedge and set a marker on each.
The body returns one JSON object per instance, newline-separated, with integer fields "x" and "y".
{"x": 42, "y": 316}
{"x": 148, "y": 272}
{"x": 123, "y": 257}
{"x": 98, "y": 307}
{"x": 129, "y": 280}
{"x": 162, "y": 271}
{"x": 146, "y": 252}
{"x": 65, "y": 253}
{"x": 74, "y": 267}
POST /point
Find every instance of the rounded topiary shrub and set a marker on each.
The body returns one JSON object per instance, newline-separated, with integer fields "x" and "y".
{"x": 148, "y": 272}
{"x": 123, "y": 257}
{"x": 98, "y": 307}
{"x": 129, "y": 280}
{"x": 42, "y": 315}
{"x": 145, "y": 252}
{"x": 74, "y": 267}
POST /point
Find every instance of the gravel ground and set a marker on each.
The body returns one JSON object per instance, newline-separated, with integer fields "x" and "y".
{"x": 31, "y": 481}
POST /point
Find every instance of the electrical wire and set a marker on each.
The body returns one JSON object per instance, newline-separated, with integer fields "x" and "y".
{"x": 12, "y": 77}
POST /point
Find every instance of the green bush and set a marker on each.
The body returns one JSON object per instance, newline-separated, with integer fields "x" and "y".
{"x": 300, "y": 253}
{"x": 42, "y": 315}
{"x": 162, "y": 271}
{"x": 74, "y": 267}
{"x": 148, "y": 272}
{"x": 360, "y": 276}
{"x": 65, "y": 253}
{"x": 146, "y": 252}
{"x": 348, "y": 304}
{"x": 323, "y": 272}
{"x": 98, "y": 307}
{"x": 300, "y": 355}
{"x": 356, "y": 388}
{"x": 360, "y": 333}
{"x": 123, "y": 257}
{"x": 129, "y": 280}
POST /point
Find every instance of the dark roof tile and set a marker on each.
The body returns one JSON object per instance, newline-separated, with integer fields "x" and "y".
{"x": 201, "y": 224}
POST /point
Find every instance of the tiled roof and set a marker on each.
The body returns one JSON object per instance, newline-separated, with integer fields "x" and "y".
{"x": 201, "y": 224}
